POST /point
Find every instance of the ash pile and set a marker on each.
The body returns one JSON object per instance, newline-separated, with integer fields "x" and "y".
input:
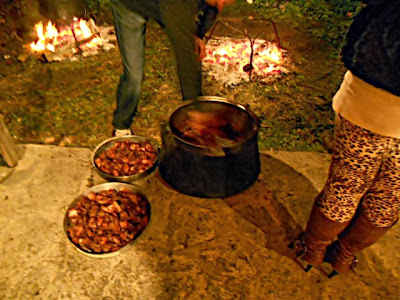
{"x": 234, "y": 61}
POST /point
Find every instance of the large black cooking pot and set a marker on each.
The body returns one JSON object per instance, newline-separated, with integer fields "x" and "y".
{"x": 209, "y": 148}
{"x": 62, "y": 11}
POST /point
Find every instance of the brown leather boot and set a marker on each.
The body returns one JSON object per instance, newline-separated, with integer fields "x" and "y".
{"x": 320, "y": 232}
{"x": 358, "y": 236}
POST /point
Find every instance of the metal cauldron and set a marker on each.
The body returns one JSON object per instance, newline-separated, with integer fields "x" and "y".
{"x": 213, "y": 166}
{"x": 62, "y": 11}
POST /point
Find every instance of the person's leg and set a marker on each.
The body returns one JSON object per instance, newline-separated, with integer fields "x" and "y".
{"x": 354, "y": 166}
{"x": 320, "y": 232}
{"x": 130, "y": 28}
{"x": 382, "y": 202}
{"x": 177, "y": 21}
{"x": 356, "y": 160}
{"x": 379, "y": 211}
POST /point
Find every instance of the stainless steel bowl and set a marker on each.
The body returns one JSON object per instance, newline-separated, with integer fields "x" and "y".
{"x": 109, "y": 143}
{"x": 101, "y": 187}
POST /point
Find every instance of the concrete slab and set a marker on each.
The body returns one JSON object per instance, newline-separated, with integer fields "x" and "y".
{"x": 193, "y": 248}
{"x": 5, "y": 172}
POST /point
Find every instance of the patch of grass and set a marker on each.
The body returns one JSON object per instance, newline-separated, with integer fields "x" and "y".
{"x": 72, "y": 103}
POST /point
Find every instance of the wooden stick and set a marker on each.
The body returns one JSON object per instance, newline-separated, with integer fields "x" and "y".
{"x": 211, "y": 32}
{"x": 264, "y": 20}
{"x": 276, "y": 34}
{"x": 7, "y": 147}
{"x": 60, "y": 51}
{"x": 252, "y": 41}
{"x": 76, "y": 40}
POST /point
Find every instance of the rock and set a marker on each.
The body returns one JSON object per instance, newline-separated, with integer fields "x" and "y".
{"x": 22, "y": 57}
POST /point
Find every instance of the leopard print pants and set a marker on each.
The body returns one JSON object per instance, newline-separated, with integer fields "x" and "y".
{"x": 364, "y": 173}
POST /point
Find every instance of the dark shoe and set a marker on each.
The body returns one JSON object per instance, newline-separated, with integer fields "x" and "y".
{"x": 358, "y": 236}
{"x": 122, "y": 132}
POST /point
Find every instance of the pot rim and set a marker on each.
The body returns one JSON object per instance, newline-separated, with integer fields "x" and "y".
{"x": 255, "y": 128}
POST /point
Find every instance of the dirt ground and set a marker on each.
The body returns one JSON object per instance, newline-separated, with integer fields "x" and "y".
{"x": 193, "y": 248}
{"x": 71, "y": 104}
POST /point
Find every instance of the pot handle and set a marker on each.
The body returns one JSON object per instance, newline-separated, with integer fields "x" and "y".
{"x": 168, "y": 139}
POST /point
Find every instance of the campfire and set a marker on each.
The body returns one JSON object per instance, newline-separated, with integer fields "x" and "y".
{"x": 66, "y": 42}
{"x": 233, "y": 61}
{"x": 230, "y": 61}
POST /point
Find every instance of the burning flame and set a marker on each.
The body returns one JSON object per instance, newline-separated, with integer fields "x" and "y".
{"x": 49, "y": 37}
{"x": 267, "y": 57}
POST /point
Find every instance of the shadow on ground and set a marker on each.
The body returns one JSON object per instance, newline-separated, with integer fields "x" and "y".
{"x": 278, "y": 203}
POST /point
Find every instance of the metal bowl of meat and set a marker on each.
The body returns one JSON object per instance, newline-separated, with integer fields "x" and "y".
{"x": 107, "y": 218}
{"x": 125, "y": 159}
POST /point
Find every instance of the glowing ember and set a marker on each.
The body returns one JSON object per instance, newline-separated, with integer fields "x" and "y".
{"x": 227, "y": 59}
{"x": 50, "y": 38}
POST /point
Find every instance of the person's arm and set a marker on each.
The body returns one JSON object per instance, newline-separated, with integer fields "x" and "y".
{"x": 376, "y": 2}
{"x": 206, "y": 19}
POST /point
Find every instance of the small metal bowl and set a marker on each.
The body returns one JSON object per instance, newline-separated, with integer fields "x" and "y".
{"x": 128, "y": 178}
{"x": 101, "y": 187}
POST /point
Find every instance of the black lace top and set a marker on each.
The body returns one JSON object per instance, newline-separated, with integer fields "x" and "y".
{"x": 372, "y": 48}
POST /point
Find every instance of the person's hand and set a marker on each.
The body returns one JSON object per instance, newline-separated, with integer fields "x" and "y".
{"x": 199, "y": 48}
{"x": 220, "y": 4}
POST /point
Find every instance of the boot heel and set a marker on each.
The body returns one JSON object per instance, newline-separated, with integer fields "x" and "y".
{"x": 333, "y": 273}
{"x": 308, "y": 268}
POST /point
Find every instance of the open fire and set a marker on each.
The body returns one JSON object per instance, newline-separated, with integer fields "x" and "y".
{"x": 59, "y": 43}
{"x": 229, "y": 60}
